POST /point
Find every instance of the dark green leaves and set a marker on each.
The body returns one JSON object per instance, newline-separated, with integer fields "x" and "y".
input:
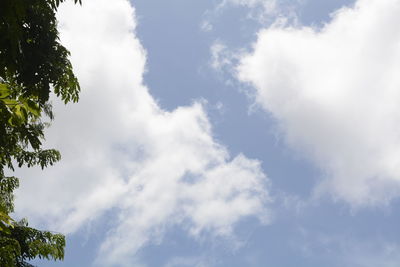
{"x": 30, "y": 52}
{"x": 23, "y": 243}
{"x": 33, "y": 64}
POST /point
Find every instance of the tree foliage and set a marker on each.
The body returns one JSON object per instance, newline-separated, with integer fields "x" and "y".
{"x": 33, "y": 63}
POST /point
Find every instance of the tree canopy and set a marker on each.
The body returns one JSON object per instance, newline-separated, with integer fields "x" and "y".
{"x": 33, "y": 64}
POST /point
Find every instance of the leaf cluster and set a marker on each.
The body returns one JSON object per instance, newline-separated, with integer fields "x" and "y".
{"x": 31, "y": 53}
{"x": 33, "y": 64}
{"x": 22, "y": 129}
{"x": 22, "y": 243}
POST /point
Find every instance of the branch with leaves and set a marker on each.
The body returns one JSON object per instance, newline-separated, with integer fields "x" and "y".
{"x": 33, "y": 64}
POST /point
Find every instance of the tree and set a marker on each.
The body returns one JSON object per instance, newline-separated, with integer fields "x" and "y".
{"x": 33, "y": 64}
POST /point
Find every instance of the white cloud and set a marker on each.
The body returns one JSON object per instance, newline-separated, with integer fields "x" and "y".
{"x": 259, "y": 10}
{"x": 123, "y": 153}
{"x": 269, "y": 6}
{"x": 335, "y": 94}
{"x": 220, "y": 56}
{"x": 206, "y": 26}
{"x": 265, "y": 11}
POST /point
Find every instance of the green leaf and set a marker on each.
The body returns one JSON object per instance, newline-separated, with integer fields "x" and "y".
{"x": 20, "y": 112}
{"x": 5, "y": 221}
{"x": 9, "y": 102}
{"x": 33, "y": 107}
{"x": 4, "y": 90}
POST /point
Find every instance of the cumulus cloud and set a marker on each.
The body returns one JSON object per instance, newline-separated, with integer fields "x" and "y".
{"x": 123, "y": 153}
{"x": 335, "y": 93}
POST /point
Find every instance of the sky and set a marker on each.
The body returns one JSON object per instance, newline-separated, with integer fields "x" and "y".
{"x": 225, "y": 133}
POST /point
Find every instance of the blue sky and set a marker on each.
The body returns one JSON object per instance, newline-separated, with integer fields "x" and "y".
{"x": 226, "y": 133}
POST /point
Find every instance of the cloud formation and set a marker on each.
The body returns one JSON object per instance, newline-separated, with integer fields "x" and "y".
{"x": 269, "y": 6}
{"x": 123, "y": 155}
{"x": 265, "y": 11}
{"x": 335, "y": 93}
